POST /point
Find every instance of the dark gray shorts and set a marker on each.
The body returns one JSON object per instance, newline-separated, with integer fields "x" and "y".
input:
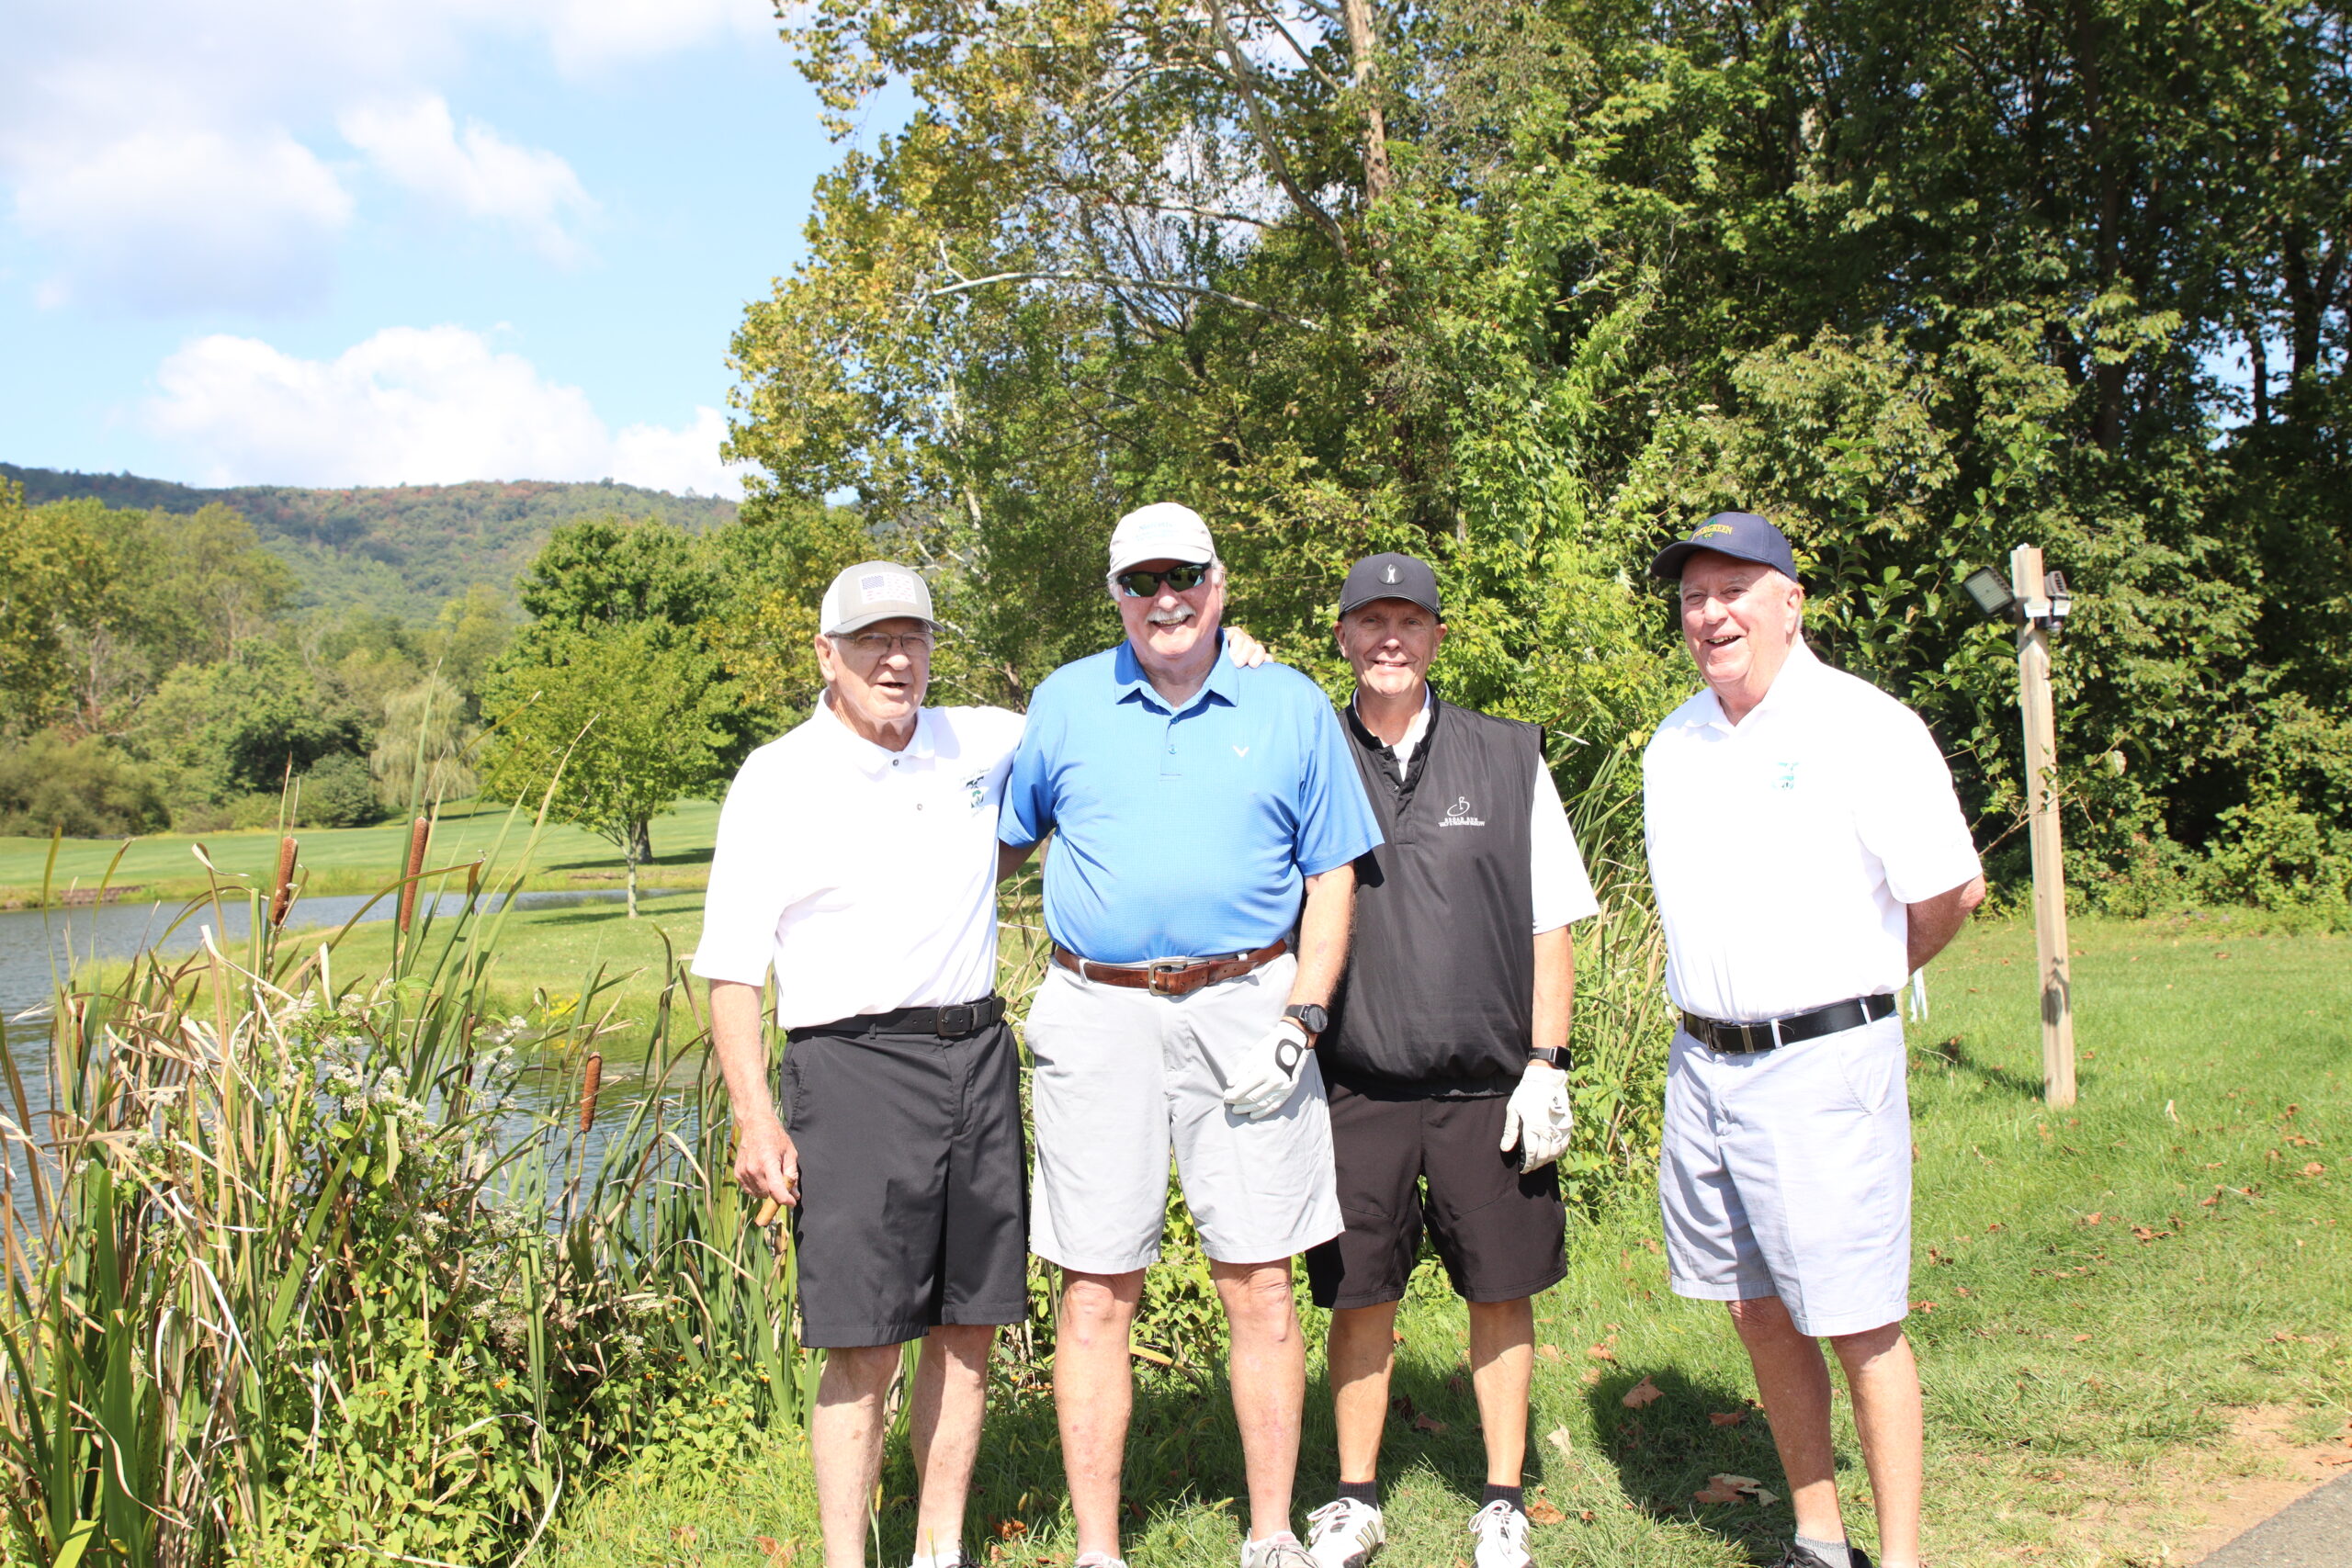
{"x": 914, "y": 1192}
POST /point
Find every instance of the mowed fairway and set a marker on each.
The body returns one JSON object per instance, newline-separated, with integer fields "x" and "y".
{"x": 2114, "y": 1288}
{"x": 360, "y": 859}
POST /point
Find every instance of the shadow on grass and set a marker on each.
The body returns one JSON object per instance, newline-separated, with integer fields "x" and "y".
{"x": 1954, "y": 1053}
{"x": 1665, "y": 1450}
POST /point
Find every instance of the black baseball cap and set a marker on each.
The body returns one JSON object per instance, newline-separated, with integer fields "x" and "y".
{"x": 1390, "y": 576}
{"x": 1742, "y": 535}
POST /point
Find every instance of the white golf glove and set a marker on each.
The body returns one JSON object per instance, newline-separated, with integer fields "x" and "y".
{"x": 1539, "y": 1116}
{"x": 1268, "y": 1071}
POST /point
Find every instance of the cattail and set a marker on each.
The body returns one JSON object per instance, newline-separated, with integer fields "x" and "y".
{"x": 281, "y": 897}
{"x": 416, "y": 840}
{"x": 591, "y": 1077}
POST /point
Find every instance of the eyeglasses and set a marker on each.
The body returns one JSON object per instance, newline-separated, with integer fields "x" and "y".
{"x": 1143, "y": 584}
{"x": 881, "y": 645}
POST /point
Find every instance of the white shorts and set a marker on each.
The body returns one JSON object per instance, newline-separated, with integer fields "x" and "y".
{"x": 1121, "y": 1077}
{"x": 1788, "y": 1173}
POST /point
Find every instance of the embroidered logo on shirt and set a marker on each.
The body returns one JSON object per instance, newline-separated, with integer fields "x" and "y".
{"x": 1241, "y": 750}
{"x": 1785, "y": 776}
{"x": 976, "y": 788}
{"x": 1458, "y": 815}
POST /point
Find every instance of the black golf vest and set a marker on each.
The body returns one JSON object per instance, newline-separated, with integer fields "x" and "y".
{"x": 1438, "y": 997}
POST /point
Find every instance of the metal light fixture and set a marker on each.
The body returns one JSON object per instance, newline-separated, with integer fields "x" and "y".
{"x": 1991, "y": 592}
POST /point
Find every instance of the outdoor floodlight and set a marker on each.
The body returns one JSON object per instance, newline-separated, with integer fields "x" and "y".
{"x": 1992, "y": 594}
{"x": 2061, "y": 601}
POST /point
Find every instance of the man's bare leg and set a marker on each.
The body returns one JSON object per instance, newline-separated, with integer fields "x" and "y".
{"x": 950, "y": 1399}
{"x": 845, "y": 1445}
{"x": 1093, "y": 1394}
{"x": 1884, "y": 1378}
{"x": 1269, "y": 1383}
{"x": 1792, "y": 1382}
{"x": 1361, "y": 1353}
{"x": 1502, "y": 1366}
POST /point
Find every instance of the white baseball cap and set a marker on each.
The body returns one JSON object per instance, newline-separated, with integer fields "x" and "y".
{"x": 873, "y": 591}
{"x": 1162, "y": 531}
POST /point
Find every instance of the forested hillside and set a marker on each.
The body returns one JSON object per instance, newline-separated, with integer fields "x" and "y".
{"x": 402, "y": 551}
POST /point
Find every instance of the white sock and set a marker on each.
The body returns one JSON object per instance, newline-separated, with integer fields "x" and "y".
{"x": 947, "y": 1557}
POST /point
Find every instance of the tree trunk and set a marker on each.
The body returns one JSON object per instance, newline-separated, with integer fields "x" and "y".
{"x": 641, "y": 840}
{"x": 1363, "y": 45}
{"x": 630, "y": 857}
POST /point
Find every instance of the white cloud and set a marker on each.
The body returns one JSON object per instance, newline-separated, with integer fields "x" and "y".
{"x": 165, "y": 158}
{"x": 172, "y": 217}
{"x": 481, "y": 175}
{"x": 433, "y": 405}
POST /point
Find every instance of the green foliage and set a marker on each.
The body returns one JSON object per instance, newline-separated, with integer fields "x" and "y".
{"x": 339, "y": 792}
{"x": 403, "y": 551}
{"x": 619, "y": 724}
{"x": 46, "y": 566}
{"x": 86, "y": 787}
{"x": 243, "y": 725}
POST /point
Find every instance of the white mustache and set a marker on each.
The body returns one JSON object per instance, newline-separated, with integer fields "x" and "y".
{"x": 1175, "y": 617}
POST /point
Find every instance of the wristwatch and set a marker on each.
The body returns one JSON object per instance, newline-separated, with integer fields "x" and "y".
{"x": 1312, "y": 1018}
{"x": 1550, "y": 1055}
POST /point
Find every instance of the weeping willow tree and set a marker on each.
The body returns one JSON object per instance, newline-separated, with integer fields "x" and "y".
{"x": 424, "y": 750}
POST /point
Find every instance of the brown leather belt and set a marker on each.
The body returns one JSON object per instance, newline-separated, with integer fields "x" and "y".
{"x": 1169, "y": 976}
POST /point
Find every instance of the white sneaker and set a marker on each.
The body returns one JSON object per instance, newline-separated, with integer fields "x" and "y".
{"x": 1344, "y": 1534}
{"x": 1098, "y": 1560}
{"x": 1502, "y": 1530}
{"x": 1278, "y": 1551}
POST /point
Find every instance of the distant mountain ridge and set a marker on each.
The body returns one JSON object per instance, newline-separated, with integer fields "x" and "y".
{"x": 405, "y": 550}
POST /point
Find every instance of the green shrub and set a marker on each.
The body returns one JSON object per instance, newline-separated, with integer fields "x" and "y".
{"x": 339, "y": 792}
{"x": 86, "y": 786}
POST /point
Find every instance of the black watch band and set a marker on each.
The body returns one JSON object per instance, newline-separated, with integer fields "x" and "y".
{"x": 1550, "y": 1055}
{"x": 1312, "y": 1018}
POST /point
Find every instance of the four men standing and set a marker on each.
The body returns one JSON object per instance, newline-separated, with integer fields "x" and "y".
{"x": 1216, "y": 835}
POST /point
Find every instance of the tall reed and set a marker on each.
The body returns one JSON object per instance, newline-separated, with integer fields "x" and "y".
{"x": 296, "y": 1270}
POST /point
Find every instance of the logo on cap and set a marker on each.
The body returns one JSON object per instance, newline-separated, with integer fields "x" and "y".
{"x": 878, "y": 585}
{"x": 1711, "y": 530}
{"x": 1388, "y": 574}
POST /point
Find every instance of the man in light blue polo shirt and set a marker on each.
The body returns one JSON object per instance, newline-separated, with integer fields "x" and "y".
{"x": 1199, "y": 812}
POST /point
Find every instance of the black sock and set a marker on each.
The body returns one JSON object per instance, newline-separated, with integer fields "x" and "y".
{"x": 1364, "y": 1492}
{"x": 1515, "y": 1495}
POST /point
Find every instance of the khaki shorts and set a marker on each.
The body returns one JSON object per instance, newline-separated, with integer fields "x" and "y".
{"x": 1122, "y": 1078}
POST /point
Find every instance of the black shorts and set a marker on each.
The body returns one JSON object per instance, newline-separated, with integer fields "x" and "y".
{"x": 914, "y": 1205}
{"x": 1500, "y": 1235}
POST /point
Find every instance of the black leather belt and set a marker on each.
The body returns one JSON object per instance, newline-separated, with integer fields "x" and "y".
{"x": 947, "y": 1023}
{"x": 1744, "y": 1039}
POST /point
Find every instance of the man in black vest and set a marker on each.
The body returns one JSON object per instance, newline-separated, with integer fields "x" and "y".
{"x": 1445, "y": 1053}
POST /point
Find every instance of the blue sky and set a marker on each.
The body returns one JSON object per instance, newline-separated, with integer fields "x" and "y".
{"x": 304, "y": 242}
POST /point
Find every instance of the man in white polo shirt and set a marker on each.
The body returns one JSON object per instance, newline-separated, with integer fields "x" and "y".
{"x": 1808, "y": 854}
{"x": 856, "y": 856}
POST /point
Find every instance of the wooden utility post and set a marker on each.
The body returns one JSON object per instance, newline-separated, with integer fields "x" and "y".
{"x": 2051, "y": 968}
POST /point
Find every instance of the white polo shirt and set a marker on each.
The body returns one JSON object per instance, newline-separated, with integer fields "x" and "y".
{"x": 1784, "y": 847}
{"x": 865, "y": 877}
{"x": 1562, "y": 888}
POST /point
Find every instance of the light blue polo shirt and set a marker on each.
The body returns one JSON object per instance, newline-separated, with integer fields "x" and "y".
{"x": 1184, "y": 834}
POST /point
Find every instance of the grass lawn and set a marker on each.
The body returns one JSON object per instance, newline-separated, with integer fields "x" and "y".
{"x": 2114, "y": 1288}
{"x": 359, "y": 860}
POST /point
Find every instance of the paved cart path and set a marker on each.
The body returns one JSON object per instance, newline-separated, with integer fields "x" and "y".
{"x": 2313, "y": 1532}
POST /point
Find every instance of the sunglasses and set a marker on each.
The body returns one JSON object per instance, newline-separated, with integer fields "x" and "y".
{"x": 1143, "y": 584}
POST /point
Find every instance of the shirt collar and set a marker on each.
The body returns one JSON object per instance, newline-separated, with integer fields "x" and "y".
{"x": 1788, "y": 687}
{"x": 1415, "y": 732}
{"x": 869, "y": 759}
{"x": 1128, "y": 676}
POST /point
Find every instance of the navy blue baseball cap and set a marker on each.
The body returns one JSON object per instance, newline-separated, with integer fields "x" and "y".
{"x": 1742, "y": 535}
{"x": 1390, "y": 576}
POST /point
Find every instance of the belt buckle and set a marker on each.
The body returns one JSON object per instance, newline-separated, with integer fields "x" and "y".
{"x": 1157, "y": 968}
{"x": 947, "y": 1022}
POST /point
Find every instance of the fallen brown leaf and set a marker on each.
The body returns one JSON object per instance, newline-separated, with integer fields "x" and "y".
{"x": 1539, "y": 1511}
{"x": 1396, "y": 1336}
{"x": 1428, "y": 1423}
{"x": 2093, "y": 1217}
{"x": 1549, "y": 1352}
{"x": 1643, "y": 1393}
{"x": 1558, "y": 1438}
{"x": 2335, "y": 1458}
{"x": 1401, "y": 1407}
{"x": 1584, "y": 1515}
{"x": 1591, "y": 1376}
{"x": 1923, "y": 1306}
{"x": 1008, "y": 1529}
{"x": 777, "y": 1552}
{"x": 1766, "y": 1499}
{"x": 1996, "y": 1225}
{"x": 2082, "y": 1338}
{"x": 1726, "y": 1417}
{"x": 2143, "y": 1234}
{"x": 2314, "y": 1168}
{"x": 1601, "y": 1353}
{"x": 1728, "y": 1488}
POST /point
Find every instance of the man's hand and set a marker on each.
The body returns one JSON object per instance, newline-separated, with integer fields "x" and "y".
{"x": 1244, "y": 649}
{"x": 1269, "y": 1071}
{"x": 1540, "y": 1116}
{"x": 767, "y": 1162}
